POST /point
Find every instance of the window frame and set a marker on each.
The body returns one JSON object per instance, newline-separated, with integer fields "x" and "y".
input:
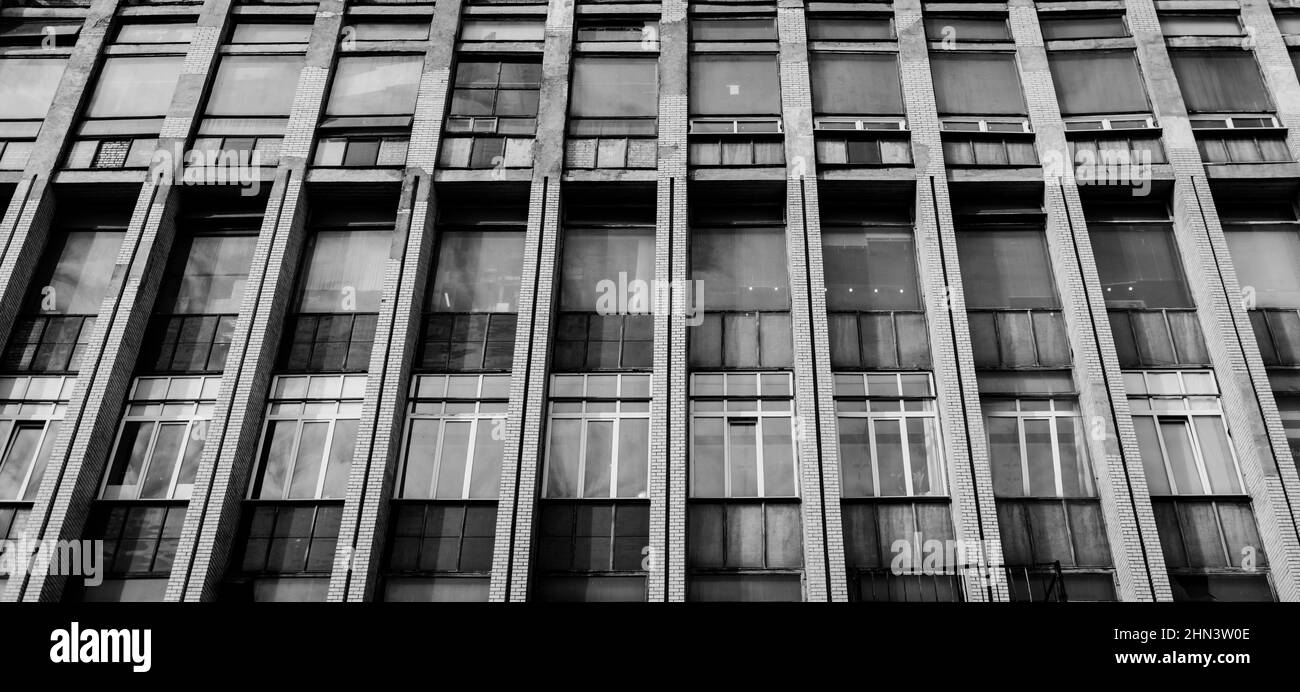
{"x": 347, "y": 406}
{"x": 638, "y": 410}
{"x": 747, "y": 418}
{"x": 483, "y": 403}
{"x": 933, "y": 431}
{"x": 1060, "y": 408}
{"x": 1187, "y": 416}
{"x": 196, "y": 419}
{"x": 47, "y": 409}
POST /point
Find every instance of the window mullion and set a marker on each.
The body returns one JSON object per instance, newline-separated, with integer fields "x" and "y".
{"x": 325, "y": 455}
{"x": 1164, "y": 456}
{"x": 469, "y": 458}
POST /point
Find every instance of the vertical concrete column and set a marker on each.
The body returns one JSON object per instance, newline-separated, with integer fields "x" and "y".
{"x": 1274, "y": 59}
{"x": 26, "y": 223}
{"x": 669, "y": 436}
{"x": 220, "y": 484}
{"x": 970, "y": 479}
{"x": 511, "y": 557}
{"x": 378, "y": 453}
{"x": 816, "y": 434}
{"x": 84, "y": 441}
{"x": 1253, "y": 421}
{"x": 1111, "y": 440}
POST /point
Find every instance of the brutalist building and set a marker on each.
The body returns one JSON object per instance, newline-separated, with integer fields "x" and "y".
{"x": 510, "y": 300}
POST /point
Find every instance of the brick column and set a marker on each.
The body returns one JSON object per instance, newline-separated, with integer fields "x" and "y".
{"x": 1253, "y": 421}
{"x": 1111, "y": 440}
{"x": 221, "y": 481}
{"x": 1275, "y": 62}
{"x": 83, "y": 444}
{"x": 816, "y": 433}
{"x": 970, "y": 478}
{"x": 669, "y": 438}
{"x": 512, "y": 554}
{"x": 377, "y": 458}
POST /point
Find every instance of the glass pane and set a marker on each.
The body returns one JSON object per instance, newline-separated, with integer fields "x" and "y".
{"x": 163, "y": 460}
{"x": 1220, "y": 81}
{"x": 134, "y": 87}
{"x": 131, "y": 451}
{"x": 743, "y": 463}
{"x": 254, "y": 85}
{"x": 340, "y": 460}
{"x": 17, "y": 460}
{"x": 600, "y": 265}
{"x": 477, "y": 272}
{"x": 1090, "y": 82}
{"x": 423, "y": 443}
{"x": 1004, "y": 452}
{"x": 375, "y": 85}
{"x": 27, "y": 86}
{"x": 1076, "y": 475}
{"x": 856, "y": 84}
{"x": 871, "y": 270}
{"x": 1152, "y": 457}
{"x": 1216, "y": 451}
{"x": 42, "y": 460}
{"x": 77, "y": 281}
{"x": 741, "y": 269}
{"x": 1065, "y": 29}
{"x": 614, "y": 88}
{"x": 1006, "y": 269}
{"x": 1182, "y": 461}
{"x": 742, "y": 29}
{"x": 633, "y": 457}
{"x": 778, "y": 458}
{"x": 707, "y": 458}
{"x": 889, "y": 458}
{"x": 734, "y": 85}
{"x": 488, "y": 447}
{"x": 1038, "y": 450}
{"x": 344, "y": 271}
{"x": 562, "y": 458}
{"x": 276, "y": 456}
{"x": 1139, "y": 267}
{"x": 849, "y": 29}
{"x": 1266, "y": 261}
{"x": 927, "y": 463}
{"x": 213, "y": 277}
{"x": 855, "y": 458}
{"x": 598, "y": 456}
{"x": 260, "y": 32}
{"x": 307, "y": 464}
{"x": 976, "y": 84}
{"x": 455, "y": 454}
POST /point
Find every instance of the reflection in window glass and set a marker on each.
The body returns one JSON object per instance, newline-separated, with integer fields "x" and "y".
{"x": 344, "y": 271}
{"x": 477, "y": 272}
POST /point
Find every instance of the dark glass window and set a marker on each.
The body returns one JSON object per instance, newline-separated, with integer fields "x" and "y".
{"x": 963, "y": 29}
{"x": 739, "y": 29}
{"x": 873, "y": 269}
{"x": 1220, "y": 81}
{"x": 1070, "y": 27}
{"x": 1200, "y": 24}
{"x": 1139, "y": 266}
{"x": 1006, "y": 269}
{"x": 741, "y": 269}
{"x": 1090, "y": 82}
{"x": 850, "y": 28}
{"x": 856, "y": 84}
{"x": 976, "y": 83}
{"x": 734, "y": 85}
{"x": 614, "y": 88}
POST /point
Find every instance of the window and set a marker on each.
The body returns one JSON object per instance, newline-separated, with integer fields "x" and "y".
{"x": 1006, "y": 269}
{"x": 1089, "y": 82}
{"x": 1182, "y": 433}
{"x": 121, "y": 123}
{"x": 1205, "y": 543}
{"x": 27, "y": 87}
{"x": 1036, "y": 448}
{"x": 601, "y": 325}
{"x": 368, "y": 115}
{"x": 734, "y": 85}
{"x": 192, "y": 332}
{"x": 473, "y": 298}
{"x": 856, "y": 84}
{"x": 1071, "y": 27}
{"x": 743, "y": 272}
{"x": 455, "y": 437}
{"x": 870, "y": 269}
{"x": 249, "y": 105}
{"x": 1266, "y": 256}
{"x": 1287, "y": 22}
{"x": 266, "y": 32}
{"x": 737, "y": 29}
{"x": 1200, "y": 24}
{"x": 850, "y": 28}
{"x": 371, "y": 30}
{"x": 889, "y": 437}
{"x": 311, "y": 429}
{"x": 161, "y": 439}
{"x": 31, "y": 409}
{"x": 976, "y": 84}
{"x": 1139, "y": 266}
{"x": 612, "y": 100}
{"x": 65, "y": 296}
{"x": 598, "y": 438}
{"x": 55, "y": 33}
{"x": 1220, "y": 81}
{"x": 493, "y": 115}
{"x": 155, "y": 32}
{"x": 338, "y": 301}
{"x": 742, "y": 443}
{"x": 967, "y": 29}
{"x": 614, "y": 30}
{"x": 480, "y": 30}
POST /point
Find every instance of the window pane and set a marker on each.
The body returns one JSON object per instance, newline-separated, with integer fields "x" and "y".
{"x": 306, "y": 468}
{"x": 976, "y": 84}
{"x": 162, "y": 462}
{"x": 27, "y": 86}
{"x": 614, "y": 87}
{"x": 1038, "y": 451}
{"x": 778, "y": 458}
{"x": 889, "y": 458}
{"x": 155, "y": 32}
{"x": 390, "y": 31}
{"x": 258, "y": 32}
{"x": 375, "y": 85}
{"x": 254, "y": 85}
{"x": 1217, "y": 453}
{"x": 927, "y": 469}
{"x": 707, "y": 458}
{"x": 741, "y": 269}
{"x": 1220, "y": 81}
{"x": 77, "y": 281}
{"x": 477, "y": 272}
{"x": 17, "y": 459}
{"x": 1097, "y": 82}
{"x": 455, "y": 454}
{"x": 342, "y": 447}
{"x": 1076, "y": 475}
{"x": 42, "y": 460}
{"x": 1266, "y": 260}
{"x": 849, "y": 29}
{"x": 743, "y": 466}
{"x": 598, "y": 456}
{"x": 419, "y": 459}
{"x": 501, "y": 30}
{"x": 1004, "y": 452}
{"x": 1066, "y": 28}
{"x": 213, "y": 277}
{"x": 131, "y": 451}
{"x": 871, "y": 270}
{"x": 855, "y": 458}
{"x": 134, "y": 87}
{"x": 344, "y": 271}
{"x": 734, "y": 85}
{"x": 599, "y": 261}
{"x": 1006, "y": 269}
{"x": 856, "y": 84}
{"x": 961, "y": 29}
{"x": 488, "y": 446}
{"x": 1182, "y": 461}
{"x": 1199, "y": 25}
{"x": 1152, "y": 457}
{"x": 743, "y": 29}
{"x": 276, "y": 456}
{"x": 562, "y": 458}
{"x": 633, "y": 457}
{"x": 1140, "y": 268}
